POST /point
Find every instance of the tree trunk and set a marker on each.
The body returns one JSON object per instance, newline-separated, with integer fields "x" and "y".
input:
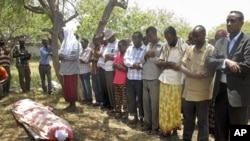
{"x": 55, "y": 34}
{"x": 107, "y": 12}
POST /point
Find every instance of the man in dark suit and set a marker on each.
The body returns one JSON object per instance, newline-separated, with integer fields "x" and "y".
{"x": 231, "y": 63}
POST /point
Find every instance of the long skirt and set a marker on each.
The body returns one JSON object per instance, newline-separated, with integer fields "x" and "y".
{"x": 70, "y": 87}
{"x": 169, "y": 108}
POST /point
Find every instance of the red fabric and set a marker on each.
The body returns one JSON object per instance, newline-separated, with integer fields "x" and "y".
{"x": 70, "y": 87}
{"x": 3, "y": 73}
{"x": 120, "y": 76}
{"x": 40, "y": 119}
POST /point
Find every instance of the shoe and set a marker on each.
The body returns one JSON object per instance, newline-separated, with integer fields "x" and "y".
{"x": 154, "y": 132}
{"x": 96, "y": 104}
{"x": 71, "y": 110}
{"x": 145, "y": 128}
{"x": 141, "y": 119}
{"x": 104, "y": 107}
{"x": 118, "y": 115}
{"x": 65, "y": 109}
{"x": 89, "y": 102}
{"x": 124, "y": 115}
{"x": 134, "y": 120}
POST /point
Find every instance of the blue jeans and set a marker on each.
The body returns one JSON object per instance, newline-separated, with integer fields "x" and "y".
{"x": 134, "y": 94}
{"x": 97, "y": 88}
{"x": 87, "y": 92}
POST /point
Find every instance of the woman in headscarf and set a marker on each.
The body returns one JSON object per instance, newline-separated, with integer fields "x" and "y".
{"x": 69, "y": 56}
{"x": 218, "y": 35}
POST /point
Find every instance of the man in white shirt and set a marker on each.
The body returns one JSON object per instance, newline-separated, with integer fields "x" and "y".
{"x": 109, "y": 53}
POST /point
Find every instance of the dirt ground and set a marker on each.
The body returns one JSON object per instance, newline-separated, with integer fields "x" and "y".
{"x": 89, "y": 123}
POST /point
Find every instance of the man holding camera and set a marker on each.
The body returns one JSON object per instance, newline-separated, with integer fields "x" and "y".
{"x": 22, "y": 63}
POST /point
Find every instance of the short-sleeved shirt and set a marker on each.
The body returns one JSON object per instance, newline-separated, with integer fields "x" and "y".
{"x": 120, "y": 76}
{"x": 194, "y": 60}
{"x": 150, "y": 69}
{"x": 173, "y": 54}
{"x": 85, "y": 56}
{"x": 111, "y": 49}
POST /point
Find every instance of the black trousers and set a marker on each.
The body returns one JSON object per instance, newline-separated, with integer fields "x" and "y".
{"x": 226, "y": 115}
{"x": 103, "y": 87}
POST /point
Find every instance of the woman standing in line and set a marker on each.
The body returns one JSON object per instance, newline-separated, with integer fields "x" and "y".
{"x": 69, "y": 56}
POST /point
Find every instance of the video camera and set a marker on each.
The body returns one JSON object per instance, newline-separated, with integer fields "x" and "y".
{"x": 25, "y": 56}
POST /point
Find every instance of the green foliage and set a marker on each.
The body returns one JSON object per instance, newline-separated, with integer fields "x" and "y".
{"x": 245, "y": 29}
{"x": 90, "y": 12}
{"x": 16, "y": 21}
{"x": 125, "y": 22}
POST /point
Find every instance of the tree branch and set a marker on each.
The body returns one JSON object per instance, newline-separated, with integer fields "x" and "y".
{"x": 47, "y": 30}
{"x": 43, "y": 4}
{"x": 123, "y": 4}
{"x": 71, "y": 17}
{"x": 35, "y": 9}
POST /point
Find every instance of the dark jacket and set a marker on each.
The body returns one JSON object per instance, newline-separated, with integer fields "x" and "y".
{"x": 238, "y": 84}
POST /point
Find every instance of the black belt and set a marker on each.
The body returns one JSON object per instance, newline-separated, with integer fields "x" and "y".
{"x": 44, "y": 64}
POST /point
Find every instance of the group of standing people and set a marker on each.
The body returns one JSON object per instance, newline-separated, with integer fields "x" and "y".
{"x": 156, "y": 82}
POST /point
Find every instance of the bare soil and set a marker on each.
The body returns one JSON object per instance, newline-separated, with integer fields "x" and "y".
{"x": 89, "y": 123}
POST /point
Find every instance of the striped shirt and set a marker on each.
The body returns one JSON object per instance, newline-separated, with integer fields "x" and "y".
{"x": 132, "y": 56}
{"x": 85, "y": 56}
{"x": 4, "y": 58}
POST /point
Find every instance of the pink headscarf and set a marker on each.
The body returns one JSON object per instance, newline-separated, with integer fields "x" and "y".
{"x": 219, "y": 34}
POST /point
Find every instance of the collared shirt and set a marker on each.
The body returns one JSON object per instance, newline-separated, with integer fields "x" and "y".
{"x": 100, "y": 62}
{"x": 120, "y": 76}
{"x": 197, "y": 89}
{"x": 173, "y": 54}
{"x": 45, "y": 55}
{"x": 21, "y": 60}
{"x": 233, "y": 41}
{"x": 111, "y": 49}
{"x": 85, "y": 56}
{"x": 132, "y": 56}
{"x": 150, "y": 69}
{"x": 230, "y": 47}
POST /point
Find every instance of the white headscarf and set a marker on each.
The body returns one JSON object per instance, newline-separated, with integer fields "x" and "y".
{"x": 61, "y": 135}
{"x": 68, "y": 41}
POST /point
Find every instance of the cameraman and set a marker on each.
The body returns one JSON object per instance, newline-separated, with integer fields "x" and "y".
{"x": 22, "y": 63}
{"x": 5, "y": 62}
